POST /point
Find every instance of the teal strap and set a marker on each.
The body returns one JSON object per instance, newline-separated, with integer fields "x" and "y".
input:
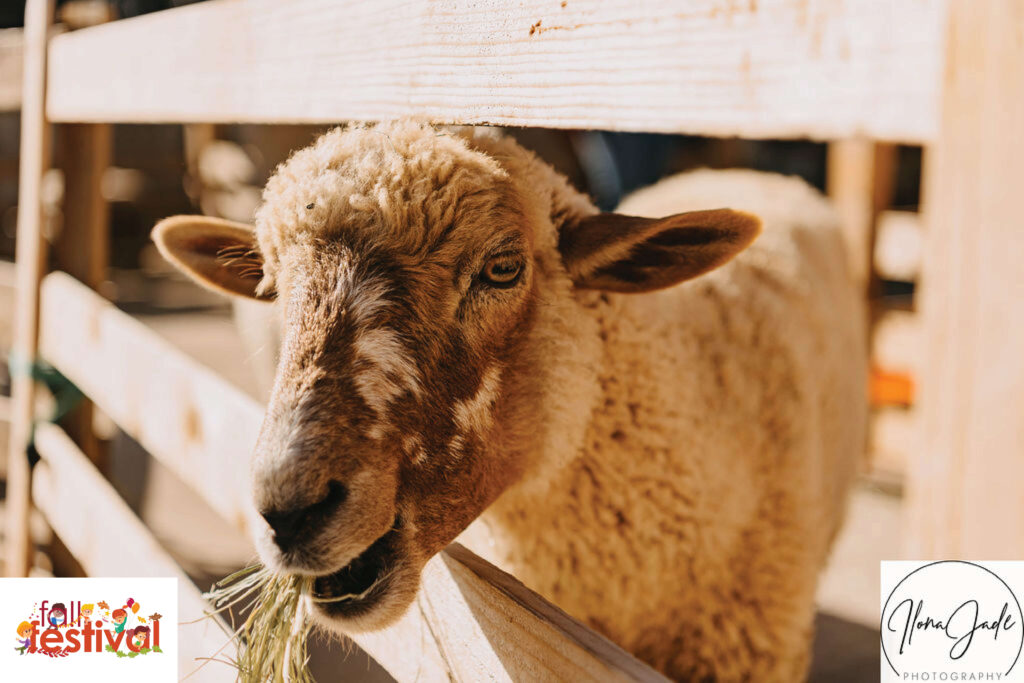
{"x": 66, "y": 395}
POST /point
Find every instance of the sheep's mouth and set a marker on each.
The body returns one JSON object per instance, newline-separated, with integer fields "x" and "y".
{"x": 357, "y": 587}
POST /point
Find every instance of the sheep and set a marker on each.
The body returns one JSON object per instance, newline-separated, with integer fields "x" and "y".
{"x": 653, "y": 416}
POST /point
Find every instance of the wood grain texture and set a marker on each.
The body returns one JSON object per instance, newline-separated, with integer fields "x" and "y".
{"x": 108, "y": 539}
{"x": 780, "y": 68}
{"x": 964, "y": 490}
{"x": 471, "y": 621}
{"x": 198, "y": 425}
{"x": 549, "y": 643}
{"x": 30, "y": 254}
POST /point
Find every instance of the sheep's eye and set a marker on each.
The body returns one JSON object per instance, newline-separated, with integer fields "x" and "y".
{"x": 502, "y": 271}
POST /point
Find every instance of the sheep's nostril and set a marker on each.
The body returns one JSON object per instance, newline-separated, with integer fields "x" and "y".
{"x": 288, "y": 525}
{"x": 336, "y": 495}
{"x": 284, "y": 525}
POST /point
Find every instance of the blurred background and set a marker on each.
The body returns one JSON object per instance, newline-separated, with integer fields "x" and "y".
{"x": 153, "y": 171}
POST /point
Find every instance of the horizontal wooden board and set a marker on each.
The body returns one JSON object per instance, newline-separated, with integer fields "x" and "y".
{"x": 202, "y": 428}
{"x": 471, "y": 621}
{"x": 781, "y": 68}
{"x": 107, "y": 539}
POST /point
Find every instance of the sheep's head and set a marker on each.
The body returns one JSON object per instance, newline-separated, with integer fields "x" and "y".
{"x": 418, "y": 278}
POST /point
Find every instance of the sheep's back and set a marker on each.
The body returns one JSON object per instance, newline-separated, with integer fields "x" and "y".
{"x": 732, "y": 423}
{"x": 784, "y": 317}
{"x": 692, "y": 525}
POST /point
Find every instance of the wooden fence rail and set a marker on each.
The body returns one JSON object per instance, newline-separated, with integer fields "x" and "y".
{"x": 782, "y": 69}
{"x": 197, "y": 425}
{"x": 108, "y": 539}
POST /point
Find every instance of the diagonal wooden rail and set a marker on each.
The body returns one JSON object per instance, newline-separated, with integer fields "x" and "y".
{"x": 108, "y": 539}
{"x": 202, "y": 428}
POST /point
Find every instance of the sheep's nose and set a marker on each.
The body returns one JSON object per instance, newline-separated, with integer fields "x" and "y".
{"x": 288, "y": 525}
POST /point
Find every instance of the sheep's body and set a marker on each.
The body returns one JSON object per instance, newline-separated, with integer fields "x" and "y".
{"x": 687, "y": 452}
{"x": 692, "y": 524}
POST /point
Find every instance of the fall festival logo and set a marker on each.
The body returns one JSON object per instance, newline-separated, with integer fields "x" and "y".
{"x": 72, "y": 628}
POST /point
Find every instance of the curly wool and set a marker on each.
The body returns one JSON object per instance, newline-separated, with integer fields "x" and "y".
{"x": 694, "y": 446}
{"x": 692, "y": 525}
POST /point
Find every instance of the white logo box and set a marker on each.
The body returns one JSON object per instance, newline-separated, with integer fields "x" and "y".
{"x": 953, "y": 620}
{"x": 23, "y": 599}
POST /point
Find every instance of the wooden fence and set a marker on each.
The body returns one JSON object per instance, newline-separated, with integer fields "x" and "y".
{"x": 949, "y": 74}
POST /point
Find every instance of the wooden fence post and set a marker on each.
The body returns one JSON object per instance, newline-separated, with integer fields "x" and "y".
{"x": 82, "y": 247}
{"x": 30, "y": 256}
{"x": 860, "y": 179}
{"x": 965, "y": 487}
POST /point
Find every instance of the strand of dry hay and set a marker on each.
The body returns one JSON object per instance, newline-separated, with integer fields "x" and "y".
{"x": 272, "y": 641}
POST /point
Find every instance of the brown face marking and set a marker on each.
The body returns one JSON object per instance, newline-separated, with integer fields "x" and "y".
{"x": 392, "y": 377}
{"x": 383, "y": 371}
{"x": 475, "y": 415}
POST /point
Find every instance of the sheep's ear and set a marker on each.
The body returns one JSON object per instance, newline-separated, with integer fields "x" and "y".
{"x": 618, "y": 253}
{"x": 218, "y": 254}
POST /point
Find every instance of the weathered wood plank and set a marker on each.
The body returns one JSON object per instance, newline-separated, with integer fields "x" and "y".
{"x": 470, "y": 620}
{"x": 964, "y": 489}
{"x": 473, "y": 622}
{"x": 30, "y": 255}
{"x": 108, "y": 539}
{"x": 202, "y": 428}
{"x": 787, "y": 68}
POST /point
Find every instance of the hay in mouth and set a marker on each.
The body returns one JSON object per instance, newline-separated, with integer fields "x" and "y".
{"x": 272, "y": 641}
{"x": 358, "y": 586}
